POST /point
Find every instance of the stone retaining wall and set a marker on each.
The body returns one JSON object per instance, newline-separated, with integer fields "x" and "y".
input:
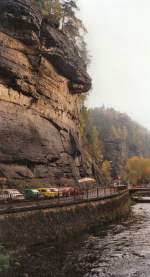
{"x": 58, "y": 224}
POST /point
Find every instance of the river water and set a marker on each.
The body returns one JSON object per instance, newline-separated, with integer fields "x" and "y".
{"x": 123, "y": 250}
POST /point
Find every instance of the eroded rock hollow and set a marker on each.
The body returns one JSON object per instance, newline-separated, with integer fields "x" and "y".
{"x": 41, "y": 80}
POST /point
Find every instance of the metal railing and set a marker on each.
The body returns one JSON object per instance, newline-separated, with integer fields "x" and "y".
{"x": 99, "y": 193}
{"x": 73, "y": 196}
{"x": 140, "y": 186}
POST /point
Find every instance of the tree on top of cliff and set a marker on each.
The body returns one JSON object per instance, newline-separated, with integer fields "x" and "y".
{"x": 74, "y": 28}
{"x": 43, "y": 5}
{"x": 64, "y": 12}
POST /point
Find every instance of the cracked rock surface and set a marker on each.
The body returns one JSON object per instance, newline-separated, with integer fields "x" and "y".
{"x": 41, "y": 79}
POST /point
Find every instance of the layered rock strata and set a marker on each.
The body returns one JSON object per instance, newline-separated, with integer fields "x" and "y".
{"x": 41, "y": 80}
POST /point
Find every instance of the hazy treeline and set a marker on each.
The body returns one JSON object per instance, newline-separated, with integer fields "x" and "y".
{"x": 109, "y": 139}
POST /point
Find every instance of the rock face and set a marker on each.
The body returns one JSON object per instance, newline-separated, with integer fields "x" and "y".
{"x": 41, "y": 79}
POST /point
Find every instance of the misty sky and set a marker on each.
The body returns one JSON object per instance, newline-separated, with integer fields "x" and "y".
{"x": 119, "y": 43}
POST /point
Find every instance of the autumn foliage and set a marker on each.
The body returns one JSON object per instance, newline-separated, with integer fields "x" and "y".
{"x": 138, "y": 170}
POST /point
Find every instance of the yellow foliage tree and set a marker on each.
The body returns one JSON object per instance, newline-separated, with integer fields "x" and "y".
{"x": 138, "y": 170}
{"x": 106, "y": 172}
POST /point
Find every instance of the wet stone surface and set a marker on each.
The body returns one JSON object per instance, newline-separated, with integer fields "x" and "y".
{"x": 123, "y": 250}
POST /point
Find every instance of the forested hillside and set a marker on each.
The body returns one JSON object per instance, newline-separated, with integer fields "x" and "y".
{"x": 109, "y": 138}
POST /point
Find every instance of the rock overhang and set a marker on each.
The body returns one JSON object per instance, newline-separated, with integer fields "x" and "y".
{"x": 41, "y": 79}
{"x": 28, "y": 25}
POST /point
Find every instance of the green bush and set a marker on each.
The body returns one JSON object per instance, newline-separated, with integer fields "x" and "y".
{"x": 4, "y": 259}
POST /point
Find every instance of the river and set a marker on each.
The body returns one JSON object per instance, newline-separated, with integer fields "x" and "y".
{"x": 122, "y": 250}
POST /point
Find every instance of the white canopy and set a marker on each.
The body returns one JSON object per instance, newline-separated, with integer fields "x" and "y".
{"x": 87, "y": 180}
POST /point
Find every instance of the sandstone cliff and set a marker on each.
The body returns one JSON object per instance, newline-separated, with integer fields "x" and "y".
{"x": 41, "y": 79}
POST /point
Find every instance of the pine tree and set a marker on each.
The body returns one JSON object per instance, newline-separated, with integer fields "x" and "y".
{"x": 64, "y": 13}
